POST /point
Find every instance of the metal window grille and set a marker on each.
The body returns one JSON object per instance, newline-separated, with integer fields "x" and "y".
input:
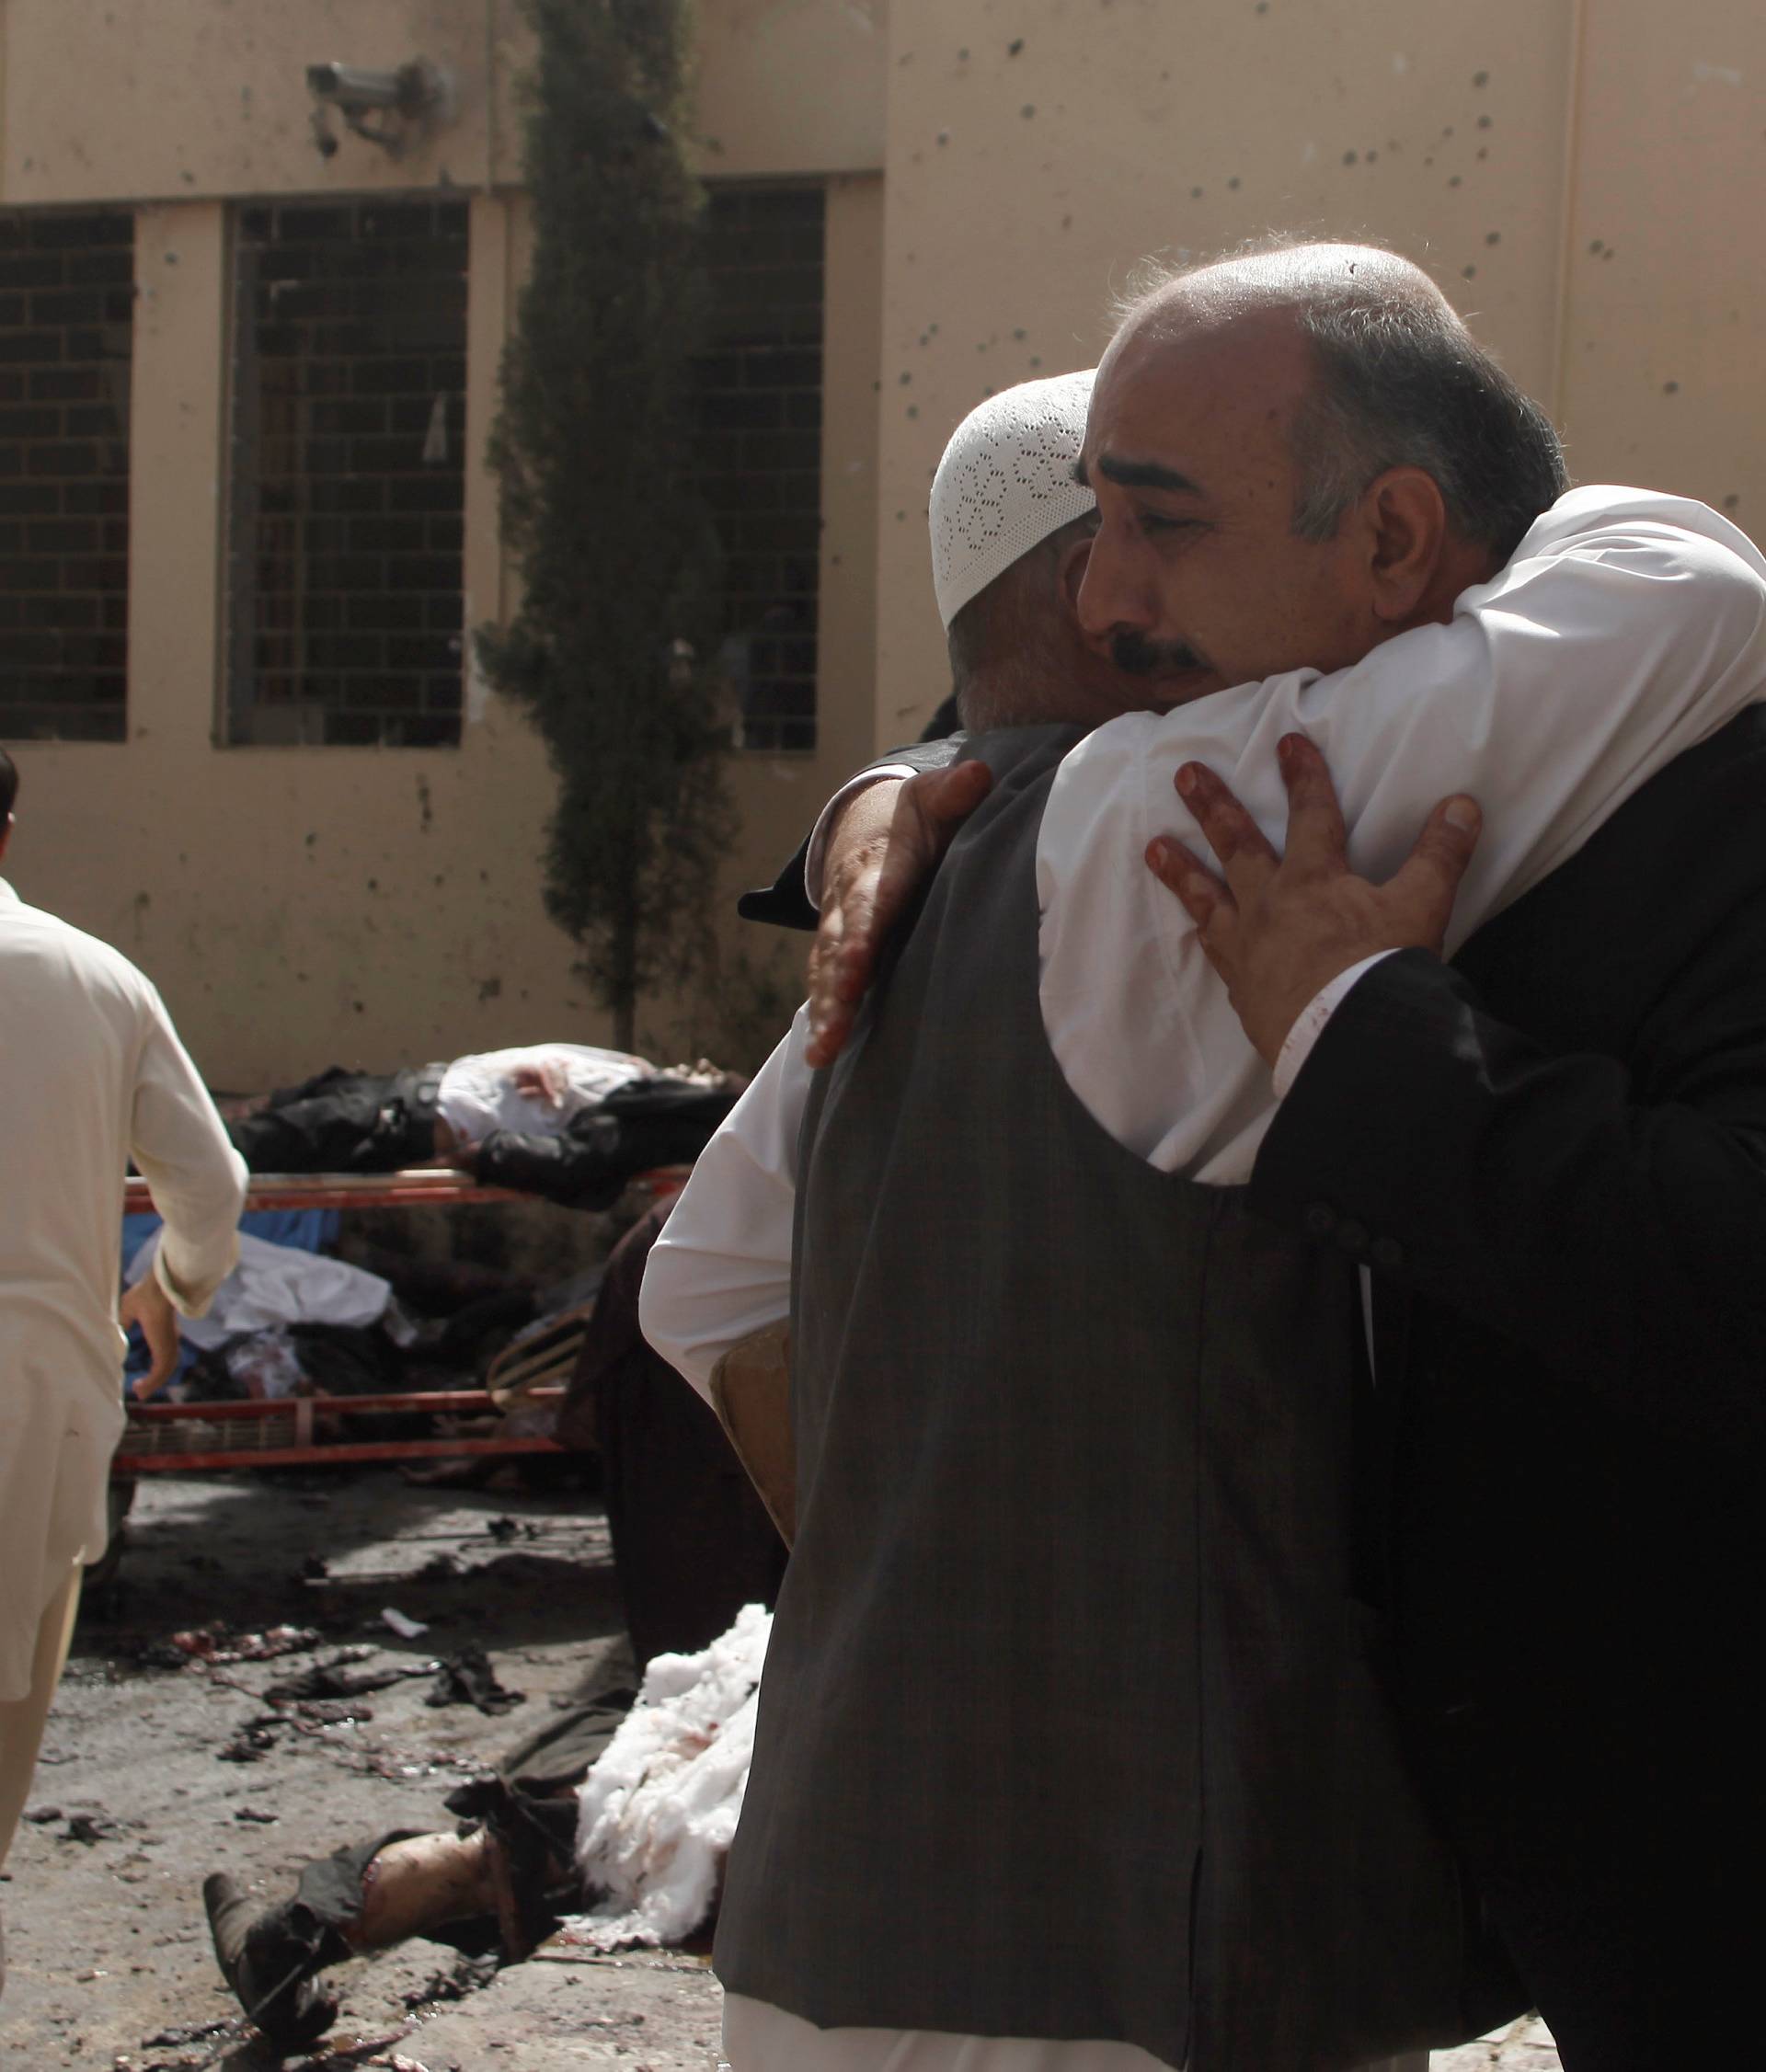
{"x": 758, "y": 402}
{"x": 66, "y": 336}
{"x": 348, "y": 473}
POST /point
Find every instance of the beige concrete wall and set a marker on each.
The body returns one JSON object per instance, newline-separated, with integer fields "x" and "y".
{"x": 168, "y": 98}
{"x": 296, "y": 905}
{"x": 1584, "y": 180}
{"x": 791, "y": 86}
{"x": 1583, "y": 175}
{"x": 1665, "y": 298}
{"x": 1036, "y": 152}
{"x": 134, "y": 99}
{"x": 304, "y": 905}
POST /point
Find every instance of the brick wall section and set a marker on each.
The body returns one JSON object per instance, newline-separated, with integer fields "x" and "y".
{"x": 66, "y": 329}
{"x": 345, "y": 541}
{"x": 758, "y": 443}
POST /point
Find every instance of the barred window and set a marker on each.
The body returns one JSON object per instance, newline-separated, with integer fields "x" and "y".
{"x": 345, "y": 589}
{"x": 67, "y": 336}
{"x": 758, "y": 400}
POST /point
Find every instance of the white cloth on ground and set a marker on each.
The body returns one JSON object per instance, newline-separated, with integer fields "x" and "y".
{"x": 1628, "y": 626}
{"x": 659, "y": 1807}
{"x": 95, "y": 1075}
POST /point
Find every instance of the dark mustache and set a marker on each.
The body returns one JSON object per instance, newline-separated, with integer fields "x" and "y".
{"x": 1135, "y": 655}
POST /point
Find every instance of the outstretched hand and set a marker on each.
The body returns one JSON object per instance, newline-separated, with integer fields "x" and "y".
{"x": 883, "y": 848}
{"x": 1277, "y": 929}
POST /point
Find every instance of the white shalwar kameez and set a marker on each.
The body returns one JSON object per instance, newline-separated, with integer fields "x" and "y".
{"x": 91, "y": 1074}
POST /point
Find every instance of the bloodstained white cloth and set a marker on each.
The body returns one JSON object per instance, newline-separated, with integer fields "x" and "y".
{"x": 659, "y": 1809}
{"x": 478, "y": 1094}
{"x": 91, "y": 1074}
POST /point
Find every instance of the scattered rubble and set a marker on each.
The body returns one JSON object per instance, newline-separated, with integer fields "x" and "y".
{"x": 467, "y": 1678}
{"x": 89, "y": 1829}
{"x": 217, "y": 1644}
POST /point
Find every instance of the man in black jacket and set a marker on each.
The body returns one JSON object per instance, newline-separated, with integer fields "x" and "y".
{"x": 1552, "y": 1152}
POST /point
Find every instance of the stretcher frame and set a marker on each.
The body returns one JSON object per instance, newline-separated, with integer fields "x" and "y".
{"x": 288, "y": 1432}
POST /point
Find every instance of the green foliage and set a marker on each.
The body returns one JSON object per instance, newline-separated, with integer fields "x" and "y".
{"x": 617, "y": 558}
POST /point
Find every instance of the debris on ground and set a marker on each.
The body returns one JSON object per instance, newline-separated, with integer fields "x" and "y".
{"x": 250, "y": 1744}
{"x": 186, "y": 2032}
{"x": 469, "y": 1975}
{"x": 335, "y": 1678}
{"x": 139, "y": 1741}
{"x": 219, "y": 1645}
{"x": 333, "y": 1711}
{"x": 467, "y": 1678}
{"x": 89, "y": 1828}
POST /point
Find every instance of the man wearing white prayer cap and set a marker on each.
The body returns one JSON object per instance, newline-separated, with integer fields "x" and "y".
{"x": 1073, "y": 1754}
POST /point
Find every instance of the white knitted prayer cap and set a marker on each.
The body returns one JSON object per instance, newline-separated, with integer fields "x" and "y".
{"x": 1005, "y": 482}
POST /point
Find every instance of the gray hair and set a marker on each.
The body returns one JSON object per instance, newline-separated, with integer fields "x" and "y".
{"x": 1402, "y": 383}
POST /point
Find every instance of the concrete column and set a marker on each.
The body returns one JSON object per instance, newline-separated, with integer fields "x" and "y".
{"x": 177, "y": 400}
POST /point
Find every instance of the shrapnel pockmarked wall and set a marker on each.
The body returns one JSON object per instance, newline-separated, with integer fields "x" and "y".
{"x": 1581, "y": 179}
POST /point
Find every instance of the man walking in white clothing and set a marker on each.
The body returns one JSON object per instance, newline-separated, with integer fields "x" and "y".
{"x": 92, "y": 1074}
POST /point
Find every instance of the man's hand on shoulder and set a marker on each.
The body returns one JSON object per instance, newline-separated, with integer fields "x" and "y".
{"x": 1278, "y": 929}
{"x": 884, "y": 845}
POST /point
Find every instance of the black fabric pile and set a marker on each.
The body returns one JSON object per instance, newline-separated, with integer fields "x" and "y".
{"x": 663, "y": 1120}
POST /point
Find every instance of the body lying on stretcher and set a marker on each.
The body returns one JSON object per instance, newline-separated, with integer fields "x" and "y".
{"x": 568, "y": 1122}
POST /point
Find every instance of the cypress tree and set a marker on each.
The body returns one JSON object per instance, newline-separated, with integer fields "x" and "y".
{"x": 592, "y": 447}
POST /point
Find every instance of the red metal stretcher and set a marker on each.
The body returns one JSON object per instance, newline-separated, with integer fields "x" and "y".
{"x": 310, "y": 1431}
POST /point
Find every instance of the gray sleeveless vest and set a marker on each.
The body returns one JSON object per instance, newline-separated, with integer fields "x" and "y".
{"x": 1070, "y": 1726}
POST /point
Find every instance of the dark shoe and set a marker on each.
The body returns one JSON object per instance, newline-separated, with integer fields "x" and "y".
{"x": 269, "y": 1962}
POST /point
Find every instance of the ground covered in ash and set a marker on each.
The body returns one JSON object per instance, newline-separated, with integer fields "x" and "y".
{"x": 154, "y": 1774}
{"x": 160, "y": 1767}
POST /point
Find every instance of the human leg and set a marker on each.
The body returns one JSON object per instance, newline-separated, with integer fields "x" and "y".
{"x": 22, "y": 1719}
{"x": 484, "y": 1889}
